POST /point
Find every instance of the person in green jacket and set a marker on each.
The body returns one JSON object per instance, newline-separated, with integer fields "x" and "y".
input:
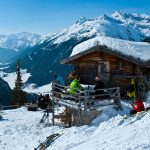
{"x": 75, "y": 86}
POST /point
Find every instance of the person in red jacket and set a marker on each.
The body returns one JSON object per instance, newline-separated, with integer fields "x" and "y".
{"x": 138, "y": 106}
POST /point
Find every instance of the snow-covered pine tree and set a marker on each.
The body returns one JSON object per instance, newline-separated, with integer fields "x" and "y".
{"x": 18, "y": 96}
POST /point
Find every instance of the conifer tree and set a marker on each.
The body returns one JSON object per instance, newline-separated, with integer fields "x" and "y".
{"x": 18, "y": 96}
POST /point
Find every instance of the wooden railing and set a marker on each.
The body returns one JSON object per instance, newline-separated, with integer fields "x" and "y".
{"x": 82, "y": 106}
{"x": 84, "y": 97}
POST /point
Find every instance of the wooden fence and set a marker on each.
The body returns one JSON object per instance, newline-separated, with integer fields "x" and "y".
{"x": 82, "y": 103}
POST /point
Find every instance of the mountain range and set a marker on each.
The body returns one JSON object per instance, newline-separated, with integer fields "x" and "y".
{"x": 11, "y": 45}
{"x": 43, "y": 59}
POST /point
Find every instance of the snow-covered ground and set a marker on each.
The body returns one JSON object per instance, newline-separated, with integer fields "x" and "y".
{"x": 11, "y": 77}
{"x": 20, "y": 130}
{"x": 30, "y": 88}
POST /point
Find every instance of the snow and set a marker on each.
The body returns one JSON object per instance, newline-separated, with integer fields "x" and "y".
{"x": 30, "y": 57}
{"x": 19, "y": 41}
{"x": 139, "y": 50}
{"x": 10, "y": 78}
{"x": 20, "y": 129}
{"x": 137, "y": 21}
{"x": 132, "y": 27}
{"x": 102, "y": 26}
{"x": 31, "y": 88}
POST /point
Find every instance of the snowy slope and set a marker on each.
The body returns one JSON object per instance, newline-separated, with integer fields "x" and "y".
{"x": 11, "y": 77}
{"x": 29, "y": 88}
{"x": 19, "y": 41}
{"x": 137, "y": 21}
{"x": 20, "y": 130}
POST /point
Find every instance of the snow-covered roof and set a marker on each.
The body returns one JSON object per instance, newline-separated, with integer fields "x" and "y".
{"x": 137, "y": 50}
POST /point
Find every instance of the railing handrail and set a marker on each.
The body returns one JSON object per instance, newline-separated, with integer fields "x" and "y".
{"x": 84, "y": 97}
{"x": 64, "y": 91}
{"x": 68, "y": 87}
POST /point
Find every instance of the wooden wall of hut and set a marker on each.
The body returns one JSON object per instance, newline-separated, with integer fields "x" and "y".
{"x": 120, "y": 71}
{"x": 87, "y": 74}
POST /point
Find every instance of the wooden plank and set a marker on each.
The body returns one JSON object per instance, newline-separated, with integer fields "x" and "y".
{"x": 124, "y": 76}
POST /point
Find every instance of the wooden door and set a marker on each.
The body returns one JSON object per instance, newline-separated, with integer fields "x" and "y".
{"x": 103, "y": 72}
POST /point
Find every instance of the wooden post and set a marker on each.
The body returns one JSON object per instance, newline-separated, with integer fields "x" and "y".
{"x": 86, "y": 101}
{"x": 119, "y": 97}
{"x": 79, "y": 111}
{"x": 86, "y": 104}
{"x": 53, "y": 119}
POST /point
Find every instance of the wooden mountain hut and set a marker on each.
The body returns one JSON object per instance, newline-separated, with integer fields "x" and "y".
{"x": 116, "y": 61}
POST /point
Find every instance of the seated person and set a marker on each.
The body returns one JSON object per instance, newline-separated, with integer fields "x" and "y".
{"x": 98, "y": 85}
{"x": 71, "y": 76}
{"x": 75, "y": 86}
{"x": 138, "y": 106}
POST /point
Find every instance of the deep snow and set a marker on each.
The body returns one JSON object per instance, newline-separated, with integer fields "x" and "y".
{"x": 20, "y": 130}
{"x": 139, "y": 50}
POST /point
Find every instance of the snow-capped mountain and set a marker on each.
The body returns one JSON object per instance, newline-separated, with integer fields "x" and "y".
{"x": 139, "y": 22}
{"x": 19, "y": 41}
{"x": 119, "y": 25}
{"x": 43, "y": 60}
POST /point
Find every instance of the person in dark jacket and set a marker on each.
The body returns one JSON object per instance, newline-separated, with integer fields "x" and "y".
{"x": 40, "y": 98}
{"x": 98, "y": 85}
{"x": 45, "y": 102}
{"x": 138, "y": 106}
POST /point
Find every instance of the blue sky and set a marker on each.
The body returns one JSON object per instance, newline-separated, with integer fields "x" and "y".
{"x": 49, "y": 16}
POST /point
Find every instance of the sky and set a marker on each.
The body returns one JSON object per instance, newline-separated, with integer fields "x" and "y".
{"x": 49, "y": 16}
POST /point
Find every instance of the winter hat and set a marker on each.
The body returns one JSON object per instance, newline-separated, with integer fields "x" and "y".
{"x": 72, "y": 75}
